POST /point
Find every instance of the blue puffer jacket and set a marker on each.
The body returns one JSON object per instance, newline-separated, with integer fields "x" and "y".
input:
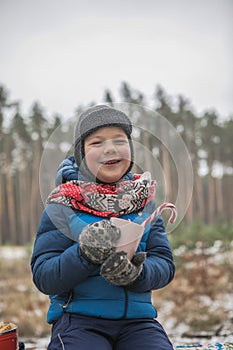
{"x": 75, "y": 285}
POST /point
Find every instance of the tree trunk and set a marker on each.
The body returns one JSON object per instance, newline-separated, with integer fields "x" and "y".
{"x": 211, "y": 197}
{"x": 198, "y": 194}
{"x": 145, "y": 139}
{"x": 219, "y": 198}
{"x": 10, "y": 197}
{"x": 36, "y": 206}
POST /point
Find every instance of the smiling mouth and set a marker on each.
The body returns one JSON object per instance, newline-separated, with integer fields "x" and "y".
{"x": 110, "y": 162}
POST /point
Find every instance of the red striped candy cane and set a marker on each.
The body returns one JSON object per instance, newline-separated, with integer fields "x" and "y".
{"x": 159, "y": 210}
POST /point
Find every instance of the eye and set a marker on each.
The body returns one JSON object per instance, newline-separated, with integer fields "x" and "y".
{"x": 96, "y": 143}
{"x": 120, "y": 141}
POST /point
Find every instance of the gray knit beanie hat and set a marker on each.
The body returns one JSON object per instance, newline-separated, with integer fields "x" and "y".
{"x": 92, "y": 119}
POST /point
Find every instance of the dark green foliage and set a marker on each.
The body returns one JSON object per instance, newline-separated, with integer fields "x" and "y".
{"x": 201, "y": 234}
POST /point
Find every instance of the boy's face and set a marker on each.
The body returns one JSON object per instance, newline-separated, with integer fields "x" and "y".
{"x": 107, "y": 154}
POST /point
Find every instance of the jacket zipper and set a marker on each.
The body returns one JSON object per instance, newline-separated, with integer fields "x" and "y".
{"x": 65, "y": 305}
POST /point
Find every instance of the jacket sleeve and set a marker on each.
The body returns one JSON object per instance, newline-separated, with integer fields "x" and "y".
{"x": 158, "y": 268}
{"x": 67, "y": 171}
{"x": 57, "y": 264}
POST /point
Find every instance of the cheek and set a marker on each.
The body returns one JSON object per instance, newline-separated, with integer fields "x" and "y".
{"x": 126, "y": 153}
{"x": 91, "y": 156}
{"x": 91, "y": 159}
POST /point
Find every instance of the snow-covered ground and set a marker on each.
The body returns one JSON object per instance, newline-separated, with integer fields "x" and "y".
{"x": 12, "y": 253}
{"x": 41, "y": 344}
{"x": 175, "y": 333}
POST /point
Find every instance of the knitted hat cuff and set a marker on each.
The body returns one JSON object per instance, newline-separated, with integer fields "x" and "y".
{"x": 101, "y": 116}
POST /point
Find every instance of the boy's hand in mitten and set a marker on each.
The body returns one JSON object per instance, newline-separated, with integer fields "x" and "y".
{"x": 97, "y": 241}
{"x": 119, "y": 270}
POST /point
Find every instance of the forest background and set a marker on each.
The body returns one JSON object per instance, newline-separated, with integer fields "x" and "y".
{"x": 205, "y": 233}
{"x": 207, "y": 137}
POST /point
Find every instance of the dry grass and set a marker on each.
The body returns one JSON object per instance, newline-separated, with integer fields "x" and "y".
{"x": 201, "y": 295}
{"x": 20, "y": 301}
{"x": 199, "y": 299}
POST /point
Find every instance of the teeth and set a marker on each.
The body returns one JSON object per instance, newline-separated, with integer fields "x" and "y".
{"x": 111, "y": 162}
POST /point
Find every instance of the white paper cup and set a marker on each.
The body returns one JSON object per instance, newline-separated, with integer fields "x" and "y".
{"x": 131, "y": 234}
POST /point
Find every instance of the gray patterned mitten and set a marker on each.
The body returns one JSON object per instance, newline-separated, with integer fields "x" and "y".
{"x": 119, "y": 270}
{"x": 97, "y": 241}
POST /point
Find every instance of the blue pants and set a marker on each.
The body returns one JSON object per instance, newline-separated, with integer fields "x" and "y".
{"x": 75, "y": 332}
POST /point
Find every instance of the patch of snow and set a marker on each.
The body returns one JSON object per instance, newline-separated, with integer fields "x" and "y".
{"x": 21, "y": 288}
{"x": 12, "y": 253}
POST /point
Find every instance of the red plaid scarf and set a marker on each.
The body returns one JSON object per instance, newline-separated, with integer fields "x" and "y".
{"x": 105, "y": 200}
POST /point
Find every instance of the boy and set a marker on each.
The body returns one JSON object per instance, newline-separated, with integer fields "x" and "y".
{"x": 98, "y": 297}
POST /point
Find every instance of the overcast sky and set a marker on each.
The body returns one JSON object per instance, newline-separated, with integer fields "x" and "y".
{"x": 64, "y": 53}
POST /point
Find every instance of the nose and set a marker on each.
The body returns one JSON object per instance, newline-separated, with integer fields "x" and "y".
{"x": 109, "y": 147}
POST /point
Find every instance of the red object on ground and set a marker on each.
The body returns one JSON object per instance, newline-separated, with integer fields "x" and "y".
{"x": 9, "y": 340}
